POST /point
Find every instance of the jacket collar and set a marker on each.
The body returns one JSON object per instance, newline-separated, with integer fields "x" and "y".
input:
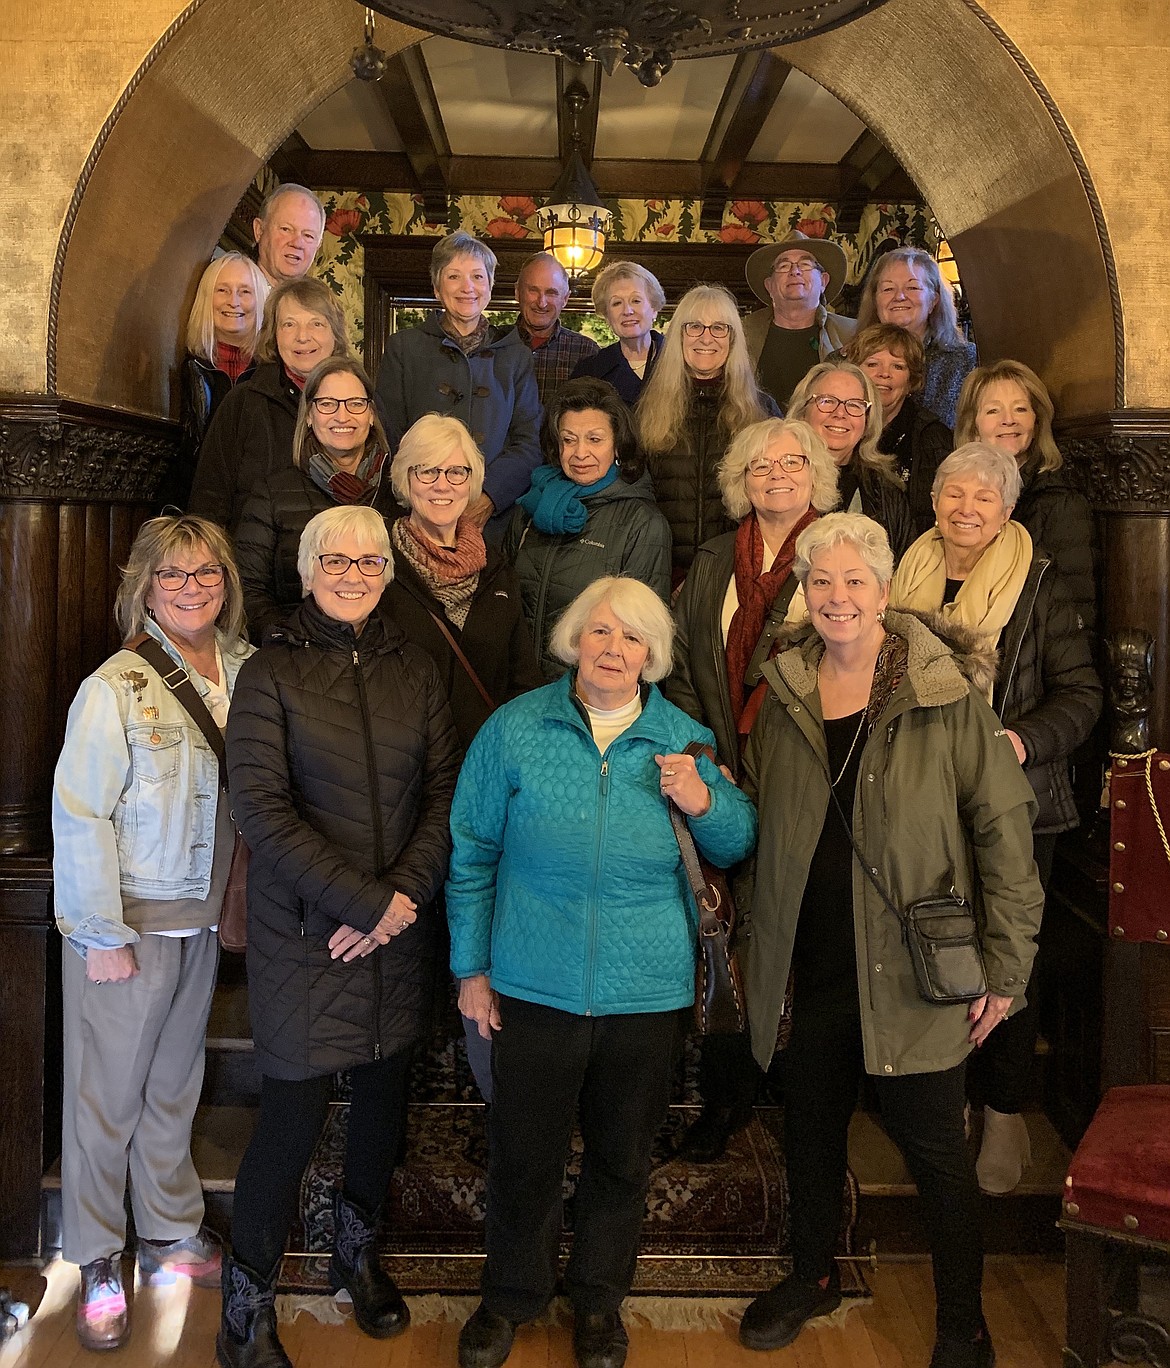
{"x": 652, "y": 723}
{"x": 307, "y": 625}
{"x": 232, "y": 653}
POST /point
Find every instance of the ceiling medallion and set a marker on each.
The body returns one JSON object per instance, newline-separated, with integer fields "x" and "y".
{"x": 648, "y": 36}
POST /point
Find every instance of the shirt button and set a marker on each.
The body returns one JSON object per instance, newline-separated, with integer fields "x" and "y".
{"x": 873, "y": 869}
{"x": 877, "y": 968}
{"x": 869, "y": 778}
{"x": 796, "y": 707}
{"x": 889, "y": 1068}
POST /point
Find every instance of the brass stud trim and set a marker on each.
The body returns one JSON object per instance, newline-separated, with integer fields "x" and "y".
{"x": 1130, "y": 1223}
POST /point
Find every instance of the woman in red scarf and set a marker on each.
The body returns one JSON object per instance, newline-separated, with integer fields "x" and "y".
{"x": 777, "y": 477}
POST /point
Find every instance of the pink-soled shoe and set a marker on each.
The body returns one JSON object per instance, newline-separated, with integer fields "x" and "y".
{"x": 198, "y": 1257}
{"x": 102, "y": 1319}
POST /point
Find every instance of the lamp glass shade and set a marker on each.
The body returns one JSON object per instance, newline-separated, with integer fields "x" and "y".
{"x": 575, "y": 235}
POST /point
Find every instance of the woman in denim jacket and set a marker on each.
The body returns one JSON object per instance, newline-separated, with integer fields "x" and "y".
{"x": 142, "y": 847}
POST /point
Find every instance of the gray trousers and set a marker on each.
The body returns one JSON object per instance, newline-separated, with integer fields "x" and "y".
{"x": 133, "y": 1074}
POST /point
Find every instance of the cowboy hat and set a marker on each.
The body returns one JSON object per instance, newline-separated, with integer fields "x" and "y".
{"x": 828, "y": 256}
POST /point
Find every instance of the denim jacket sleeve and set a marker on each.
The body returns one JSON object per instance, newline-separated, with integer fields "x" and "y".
{"x": 91, "y": 775}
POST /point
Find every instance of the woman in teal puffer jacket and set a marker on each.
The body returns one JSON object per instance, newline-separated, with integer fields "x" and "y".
{"x": 573, "y": 937}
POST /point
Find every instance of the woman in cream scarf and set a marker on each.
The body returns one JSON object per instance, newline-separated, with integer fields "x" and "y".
{"x": 979, "y": 574}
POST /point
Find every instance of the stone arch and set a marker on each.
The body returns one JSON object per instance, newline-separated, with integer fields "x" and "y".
{"x": 956, "y": 103}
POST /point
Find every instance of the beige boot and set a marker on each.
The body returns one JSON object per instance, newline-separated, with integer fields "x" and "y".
{"x": 1005, "y": 1152}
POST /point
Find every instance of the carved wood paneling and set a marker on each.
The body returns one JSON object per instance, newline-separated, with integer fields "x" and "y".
{"x": 1121, "y": 460}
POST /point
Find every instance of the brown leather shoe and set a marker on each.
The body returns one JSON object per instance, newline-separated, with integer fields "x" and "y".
{"x": 103, "y": 1321}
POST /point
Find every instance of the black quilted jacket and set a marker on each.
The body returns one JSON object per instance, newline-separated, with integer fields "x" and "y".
{"x": 342, "y": 758}
{"x": 1060, "y": 523}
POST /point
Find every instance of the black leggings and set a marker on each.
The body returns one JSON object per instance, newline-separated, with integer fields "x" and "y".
{"x": 291, "y": 1117}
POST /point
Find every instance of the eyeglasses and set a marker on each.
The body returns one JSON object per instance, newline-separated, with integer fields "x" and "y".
{"x": 358, "y": 404}
{"x": 829, "y": 403}
{"x": 335, "y": 564}
{"x": 805, "y": 267}
{"x": 456, "y": 475}
{"x": 172, "y": 579}
{"x": 790, "y": 463}
{"x": 693, "y": 328}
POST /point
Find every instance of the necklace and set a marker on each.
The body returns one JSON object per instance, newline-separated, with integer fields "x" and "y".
{"x": 852, "y": 748}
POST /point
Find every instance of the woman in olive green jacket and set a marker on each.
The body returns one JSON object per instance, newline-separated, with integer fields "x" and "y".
{"x": 872, "y": 715}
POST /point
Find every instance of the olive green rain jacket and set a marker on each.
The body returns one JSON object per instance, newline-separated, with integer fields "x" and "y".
{"x": 941, "y": 803}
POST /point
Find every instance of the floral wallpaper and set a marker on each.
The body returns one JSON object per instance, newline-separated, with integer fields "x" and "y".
{"x": 351, "y": 212}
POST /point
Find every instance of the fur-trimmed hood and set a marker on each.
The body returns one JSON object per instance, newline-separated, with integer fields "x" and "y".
{"x": 944, "y": 657}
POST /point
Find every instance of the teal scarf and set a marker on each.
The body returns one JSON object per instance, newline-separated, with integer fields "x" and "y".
{"x": 555, "y": 503}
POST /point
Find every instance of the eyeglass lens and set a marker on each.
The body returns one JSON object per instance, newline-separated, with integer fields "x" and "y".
{"x": 335, "y": 564}
{"x": 171, "y": 578}
{"x": 456, "y": 475}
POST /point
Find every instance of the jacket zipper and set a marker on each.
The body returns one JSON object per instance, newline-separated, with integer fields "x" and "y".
{"x": 602, "y": 809}
{"x": 376, "y": 813}
{"x": 720, "y": 656}
{"x": 1009, "y": 678}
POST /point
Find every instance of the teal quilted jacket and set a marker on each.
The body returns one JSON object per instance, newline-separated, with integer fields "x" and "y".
{"x": 566, "y": 885}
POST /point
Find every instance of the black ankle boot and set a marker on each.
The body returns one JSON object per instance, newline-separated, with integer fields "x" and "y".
{"x": 247, "y": 1329}
{"x": 378, "y": 1307}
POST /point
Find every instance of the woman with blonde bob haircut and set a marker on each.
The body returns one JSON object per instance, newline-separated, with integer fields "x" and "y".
{"x": 1008, "y": 405}
{"x": 875, "y": 736}
{"x": 343, "y": 758}
{"x": 427, "y": 442}
{"x": 142, "y": 846}
{"x": 905, "y": 287}
{"x": 777, "y": 478}
{"x": 339, "y": 459}
{"x": 841, "y": 404}
{"x": 629, "y": 298}
{"x": 222, "y": 331}
{"x": 573, "y": 936}
{"x": 702, "y": 394}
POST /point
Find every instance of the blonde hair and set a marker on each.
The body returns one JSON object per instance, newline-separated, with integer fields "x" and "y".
{"x": 664, "y": 404}
{"x": 971, "y": 396}
{"x": 942, "y": 323}
{"x": 867, "y": 452}
{"x": 636, "y": 606}
{"x": 158, "y": 541}
{"x": 305, "y": 443}
{"x": 837, "y": 529}
{"x": 427, "y": 440}
{"x": 609, "y": 276}
{"x": 753, "y": 442}
{"x": 988, "y": 463}
{"x": 201, "y": 323}
{"x": 329, "y": 526}
{"x": 311, "y": 294}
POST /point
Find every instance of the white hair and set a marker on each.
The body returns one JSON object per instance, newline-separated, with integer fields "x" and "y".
{"x": 330, "y": 526}
{"x": 988, "y": 463}
{"x": 636, "y": 606}
{"x": 837, "y": 529}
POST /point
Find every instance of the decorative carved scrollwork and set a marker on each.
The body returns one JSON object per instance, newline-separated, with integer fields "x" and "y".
{"x": 51, "y": 449}
{"x": 1121, "y": 460}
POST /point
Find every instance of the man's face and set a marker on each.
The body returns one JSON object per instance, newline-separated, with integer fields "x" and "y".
{"x": 288, "y": 239}
{"x": 541, "y": 293}
{"x": 796, "y": 278}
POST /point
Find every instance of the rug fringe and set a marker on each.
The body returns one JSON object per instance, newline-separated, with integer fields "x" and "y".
{"x": 658, "y": 1313}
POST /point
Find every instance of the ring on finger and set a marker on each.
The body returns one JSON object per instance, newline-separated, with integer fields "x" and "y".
{"x": 668, "y": 774}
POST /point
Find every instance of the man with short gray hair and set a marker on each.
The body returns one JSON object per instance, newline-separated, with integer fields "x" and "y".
{"x": 542, "y": 289}
{"x": 288, "y": 231}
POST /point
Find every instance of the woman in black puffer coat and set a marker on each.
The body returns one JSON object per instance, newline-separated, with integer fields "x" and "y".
{"x": 342, "y": 759}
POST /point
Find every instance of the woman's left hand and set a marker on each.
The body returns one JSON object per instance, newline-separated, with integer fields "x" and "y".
{"x": 480, "y": 511}
{"x": 680, "y": 781}
{"x": 986, "y": 1013}
{"x": 350, "y": 944}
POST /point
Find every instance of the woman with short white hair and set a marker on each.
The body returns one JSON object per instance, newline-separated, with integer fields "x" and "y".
{"x": 629, "y": 298}
{"x": 342, "y": 760}
{"x": 980, "y": 573}
{"x": 458, "y": 364}
{"x": 573, "y": 934}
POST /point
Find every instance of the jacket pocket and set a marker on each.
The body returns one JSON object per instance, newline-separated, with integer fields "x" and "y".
{"x": 155, "y": 752}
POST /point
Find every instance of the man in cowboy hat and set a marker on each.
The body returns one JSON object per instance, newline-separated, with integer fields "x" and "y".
{"x": 798, "y": 278}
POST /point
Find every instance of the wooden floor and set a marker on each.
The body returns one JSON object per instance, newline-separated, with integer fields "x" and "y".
{"x": 175, "y": 1328}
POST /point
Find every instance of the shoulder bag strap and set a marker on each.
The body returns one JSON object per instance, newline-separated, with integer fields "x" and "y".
{"x": 176, "y": 678}
{"x": 708, "y": 921}
{"x": 866, "y": 868}
{"x": 462, "y": 659}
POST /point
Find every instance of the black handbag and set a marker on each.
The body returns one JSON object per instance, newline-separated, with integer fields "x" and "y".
{"x": 719, "y": 1002}
{"x": 940, "y": 934}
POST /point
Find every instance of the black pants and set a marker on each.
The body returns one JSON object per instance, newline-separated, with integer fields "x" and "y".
{"x": 287, "y": 1131}
{"x": 923, "y": 1114}
{"x": 1000, "y": 1070}
{"x": 728, "y": 1075}
{"x": 547, "y": 1066}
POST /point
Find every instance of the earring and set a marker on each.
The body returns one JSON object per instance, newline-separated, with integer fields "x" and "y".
{"x": 881, "y": 617}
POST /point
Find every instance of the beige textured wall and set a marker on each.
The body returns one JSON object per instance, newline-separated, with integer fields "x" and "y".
{"x": 210, "y": 101}
{"x": 1106, "y": 63}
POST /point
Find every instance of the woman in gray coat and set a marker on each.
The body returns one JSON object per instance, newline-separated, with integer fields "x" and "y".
{"x": 590, "y": 511}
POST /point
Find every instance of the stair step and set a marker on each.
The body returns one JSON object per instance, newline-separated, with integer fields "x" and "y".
{"x": 228, "y": 1027}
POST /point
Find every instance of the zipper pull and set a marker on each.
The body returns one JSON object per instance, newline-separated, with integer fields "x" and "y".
{"x": 355, "y": 657}
{"x": 604, "y": 768}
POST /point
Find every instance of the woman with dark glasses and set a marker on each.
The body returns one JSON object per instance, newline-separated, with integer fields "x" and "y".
{"x": 338, "y": 455}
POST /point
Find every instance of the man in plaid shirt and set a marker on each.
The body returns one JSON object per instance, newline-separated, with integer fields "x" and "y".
{"x": 541, "y": 291}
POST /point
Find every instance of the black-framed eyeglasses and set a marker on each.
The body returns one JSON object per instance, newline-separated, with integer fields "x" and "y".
{"x": 371, "y": 567}
{"x": 693, "y": 328}
{"x": 790, "y": 462}
{"x": 829, "y": 403}
{"x": 173, "y": 579}
{"x": 358, "y": 404}
{"x": 456, "y": 475}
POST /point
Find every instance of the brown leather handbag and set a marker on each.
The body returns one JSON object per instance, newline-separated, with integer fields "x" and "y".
{"x": 233, "y": 916}
{"x": 719, "y": 1001}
